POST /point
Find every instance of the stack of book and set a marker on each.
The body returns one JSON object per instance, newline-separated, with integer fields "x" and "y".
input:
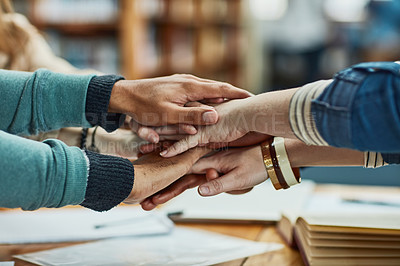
{"x": 358, "y": 239}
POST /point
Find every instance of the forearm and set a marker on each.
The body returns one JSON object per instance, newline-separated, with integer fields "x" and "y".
{"x": 268, "y": 113}
{"x": 302, "y": 155}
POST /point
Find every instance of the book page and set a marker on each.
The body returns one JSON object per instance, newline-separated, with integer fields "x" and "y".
{"x": 365, "y": 220}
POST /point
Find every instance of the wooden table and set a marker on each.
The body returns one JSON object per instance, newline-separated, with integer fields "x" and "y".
{"x": 285, "y": 256}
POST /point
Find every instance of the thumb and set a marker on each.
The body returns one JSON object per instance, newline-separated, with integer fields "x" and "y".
{"x": 202, "y": 165}
{"x": 228, "y": 182}
{"x": 197, "y": 115}
{"x": 198, "y": 152}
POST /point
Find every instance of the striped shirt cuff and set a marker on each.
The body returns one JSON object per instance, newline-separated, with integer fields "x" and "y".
{"x": 373, "y": 160}
{"x": 300, "y": 116}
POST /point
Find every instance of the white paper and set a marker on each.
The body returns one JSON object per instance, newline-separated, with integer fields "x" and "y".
{"x": 181, "y": 247}
{"x": 338, "y": 205}
{"x": 6, "y": 263}
{"x": 263, "y": 203}
{"x": 78, "y": 224}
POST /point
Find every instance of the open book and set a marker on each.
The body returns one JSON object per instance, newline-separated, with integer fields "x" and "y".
{"x": 347, "y": 233}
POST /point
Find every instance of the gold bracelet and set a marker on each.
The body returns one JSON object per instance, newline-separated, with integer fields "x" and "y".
{"x": 269, "y": 166}
{"x": 272, "y": 159}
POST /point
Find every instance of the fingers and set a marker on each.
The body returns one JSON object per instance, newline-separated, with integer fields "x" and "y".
{"x": 211, "y": 174}
{"x": 213, "y": 100}
{"x": 181, "y": 146}
{"x": 205, "y": 164}
{"x": 148, "y": 204}
{"x": 146, "y": 133}
{"x": 204, "y": 114}
{"x": 176, "y": 129}
{"x": 228, "y": 182}
{"x": 196, "y": 115}
{"x": 172, "y": 137}
{"x": 211, "y": 89}
{"x": 148, "y": 148}
{"x": 170, "y": 132}
{"x": 242, "y": 191}
{"x": 198, "y": 152}
{"x": 221, "y": 90}
{"x": 177, "y": 188}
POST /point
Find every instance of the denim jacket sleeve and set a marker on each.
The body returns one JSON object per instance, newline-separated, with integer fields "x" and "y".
{"x": 360, "y": 109}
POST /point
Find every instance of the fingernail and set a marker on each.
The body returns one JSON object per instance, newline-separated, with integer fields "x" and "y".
{"x": 209, "y": 117}
{"x": 143, "y": 131}
{"x": 164, "y": 152}
{"x": 204, "y": 190}
{"x": 153, "y": 139}
{"x": 190, "y": 129}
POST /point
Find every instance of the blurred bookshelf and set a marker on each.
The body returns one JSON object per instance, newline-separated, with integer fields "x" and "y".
{"x": 84, "y": 32}
{"x": 146, "y": 38}
{"x": 202, "y": 37}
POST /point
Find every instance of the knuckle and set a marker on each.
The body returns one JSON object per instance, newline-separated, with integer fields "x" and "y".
{"x": 217, "y": 186}
{"x": 224, "y": 86}
{"x": 188, "y": 76}
{"x": 191, "y": 115}
{"x": 187, "y": 166}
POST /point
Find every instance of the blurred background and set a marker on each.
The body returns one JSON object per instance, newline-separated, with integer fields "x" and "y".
{"x": 258, "y": 45}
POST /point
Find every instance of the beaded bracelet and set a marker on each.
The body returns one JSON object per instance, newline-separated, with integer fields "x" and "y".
{"x": 277, "y": 164}
{"x": 92, "y": 146}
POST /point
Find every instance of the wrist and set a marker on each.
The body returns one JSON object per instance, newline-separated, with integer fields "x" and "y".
{"x": 270, "y": 113}
{"x": 117, "y": 98}
{"x": 124, "y": 96}
{"x": 244, "y": 115}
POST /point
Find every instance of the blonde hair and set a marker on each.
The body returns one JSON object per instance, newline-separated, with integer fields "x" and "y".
{"x": 13, "y": 38}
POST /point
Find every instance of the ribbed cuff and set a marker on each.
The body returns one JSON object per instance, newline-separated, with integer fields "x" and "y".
{"x": 300, "y": 116}
{"x": 373, "y": 160}
{"x": 97, "y": 101}
{"x": 110, "y": 181}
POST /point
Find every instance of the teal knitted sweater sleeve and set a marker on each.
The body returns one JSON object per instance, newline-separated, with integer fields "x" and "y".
{"x": 35, "y": 174}
{"x": 41, "y": 101}
{"x": 51, "y": 174}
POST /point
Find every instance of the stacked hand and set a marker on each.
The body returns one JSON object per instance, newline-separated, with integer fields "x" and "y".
{"x": 224, "y": 171}
{"x": 172, "y": 101}
{"x": 167, "y": 108}
{"x": 153, "y": 173}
